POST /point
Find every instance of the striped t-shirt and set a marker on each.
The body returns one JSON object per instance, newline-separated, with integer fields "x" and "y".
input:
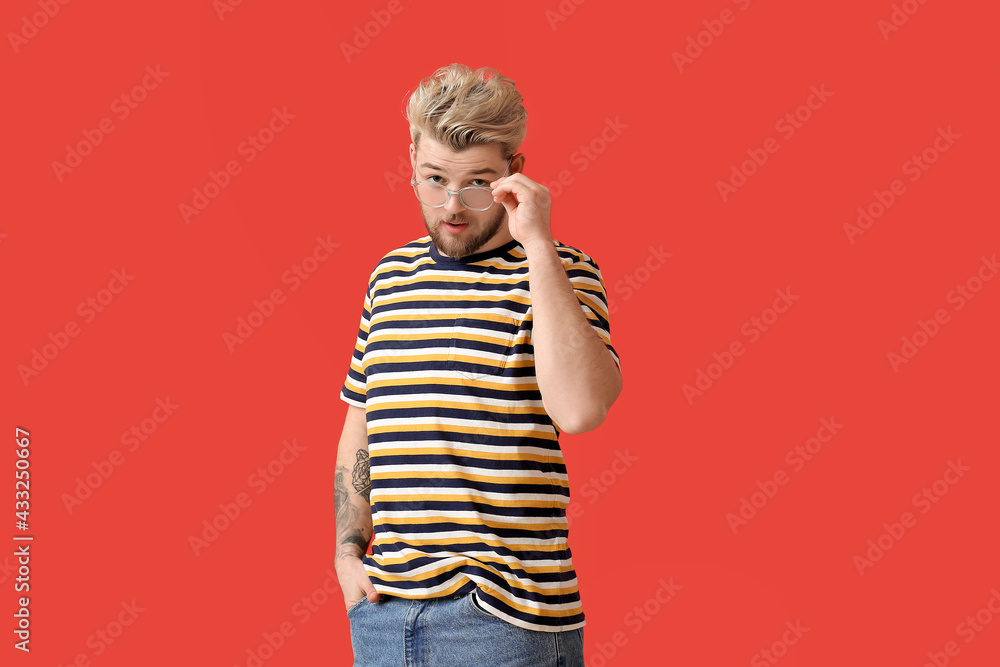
{"x": 468, "y": 484}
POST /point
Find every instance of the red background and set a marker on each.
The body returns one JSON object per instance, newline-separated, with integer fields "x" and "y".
{"x": 654, "y": 186}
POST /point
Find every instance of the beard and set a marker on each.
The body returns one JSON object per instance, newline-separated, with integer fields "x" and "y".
{"x": 475, "y": 236}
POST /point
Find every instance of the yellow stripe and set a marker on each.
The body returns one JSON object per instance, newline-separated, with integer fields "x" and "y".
{"x": 553, "y": 457}
{"x": 495, "y": 479}
{"x": 470, "y": 521}
{"x": 457, "y": 428}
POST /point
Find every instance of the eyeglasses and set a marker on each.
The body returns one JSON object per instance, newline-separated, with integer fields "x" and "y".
{"x": 473, "y": 197}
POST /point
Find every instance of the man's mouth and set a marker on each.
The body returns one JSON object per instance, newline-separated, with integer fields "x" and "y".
{"x": 454, "y": 226}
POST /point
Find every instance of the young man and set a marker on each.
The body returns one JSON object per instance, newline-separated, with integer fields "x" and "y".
{"x": 479, "y": 343}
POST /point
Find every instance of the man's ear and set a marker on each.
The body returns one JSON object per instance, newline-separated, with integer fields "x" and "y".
{"x": 413, "y": 156}
{"x": 517, "y": 164}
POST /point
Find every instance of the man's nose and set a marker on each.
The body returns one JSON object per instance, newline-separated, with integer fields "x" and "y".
{"x": 454, "y": 205}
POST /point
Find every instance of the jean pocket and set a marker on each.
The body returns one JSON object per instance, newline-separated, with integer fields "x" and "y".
{"x": 477, "y": 609}
{"x": 360, "y": 603}
{"x": 481, "y": 346}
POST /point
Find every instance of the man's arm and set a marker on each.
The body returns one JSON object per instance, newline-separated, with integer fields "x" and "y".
{"x": 351, "y": 497}
{"x": 577, "y": 375}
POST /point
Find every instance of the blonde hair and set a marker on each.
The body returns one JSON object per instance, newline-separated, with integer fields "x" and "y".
{"x": 459, "y": 107}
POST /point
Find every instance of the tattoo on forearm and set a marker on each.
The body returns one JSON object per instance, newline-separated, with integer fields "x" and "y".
{"x": 345, "y": 511}
{"x": 351, "y": 539}
{"x": 362, "y": 475}
{"x": 357, "y": 540}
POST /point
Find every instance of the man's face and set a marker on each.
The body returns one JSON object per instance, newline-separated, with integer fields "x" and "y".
{"x": 477, "y": 165}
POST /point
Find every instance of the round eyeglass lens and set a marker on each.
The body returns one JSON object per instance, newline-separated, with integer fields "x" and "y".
{"x": 477, "y": 198}
{"x": 431, "y": 194}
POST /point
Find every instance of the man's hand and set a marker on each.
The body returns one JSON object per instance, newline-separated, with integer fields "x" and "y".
{"x": 354, "y": 581}
{"x": 528, "y": 204}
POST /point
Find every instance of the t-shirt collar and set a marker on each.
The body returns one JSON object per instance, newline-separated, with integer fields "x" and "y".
{"x": 473, "y": 258}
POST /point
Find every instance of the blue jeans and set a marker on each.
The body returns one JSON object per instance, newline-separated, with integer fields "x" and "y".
{"x": 452, "y": 631}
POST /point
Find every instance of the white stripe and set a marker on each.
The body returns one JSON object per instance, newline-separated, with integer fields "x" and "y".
{"x": 416, "y": 375}
{"x": 402, "y": 355}
{"x": 457, "y": 534}
{"x": 426, "y": 398}
{"x": 390, "y": 494}
{"x": 509, "y": 560}
{"x": 473, "y": 420}
{"x": 461, "y": 448}
{"x": 444, "y": 309}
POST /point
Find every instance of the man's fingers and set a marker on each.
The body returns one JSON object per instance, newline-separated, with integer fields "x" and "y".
{"x": 372, "y": 596}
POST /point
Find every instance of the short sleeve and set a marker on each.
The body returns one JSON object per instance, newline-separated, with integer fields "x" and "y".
{"x": 588, "y": 284}
{"x": 354, "y": 389}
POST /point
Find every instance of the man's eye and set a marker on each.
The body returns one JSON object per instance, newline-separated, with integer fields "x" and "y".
{"x": 478, "y": 182}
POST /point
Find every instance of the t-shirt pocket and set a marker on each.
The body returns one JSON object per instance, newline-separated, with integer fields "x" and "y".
{"x": 481, "y": 346}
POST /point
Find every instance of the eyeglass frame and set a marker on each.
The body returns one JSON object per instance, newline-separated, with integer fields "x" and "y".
{"x": 415, "y": 183}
